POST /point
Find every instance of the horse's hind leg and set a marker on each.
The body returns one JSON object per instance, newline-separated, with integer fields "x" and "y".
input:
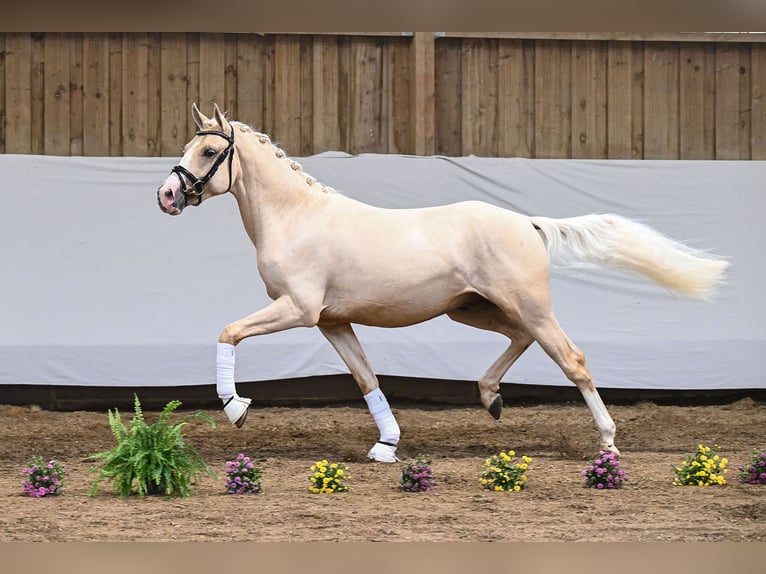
{"x": 488, "y": 317}
{"x": 548, "y": 333}
{"x": 344, "y": 341}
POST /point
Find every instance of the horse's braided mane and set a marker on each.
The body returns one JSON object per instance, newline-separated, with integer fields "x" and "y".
{"x": 280, "y": 153}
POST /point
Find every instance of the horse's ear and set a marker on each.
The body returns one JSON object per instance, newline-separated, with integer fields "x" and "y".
{"x": 198, "y": 116}
{"x": 220, "y": 118}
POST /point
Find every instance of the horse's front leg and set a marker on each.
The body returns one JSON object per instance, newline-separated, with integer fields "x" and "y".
{"x": 344, "y": 341}
{"x": 282, "y": 314}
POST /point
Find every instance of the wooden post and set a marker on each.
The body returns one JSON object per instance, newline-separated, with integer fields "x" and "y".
{"x": 423, "y": 94}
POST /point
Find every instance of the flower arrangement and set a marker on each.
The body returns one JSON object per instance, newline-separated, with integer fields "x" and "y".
{"x": 328, "y": 477}
{"x": 150, "y": 458}
{"x": 504, "y": 472}
{"x": 703, "y": 468}
{"x": 417, "y": 475}
{"x": 43, "y": 478}
{"x": 243, "y": 476}
{"x": 755, "y": 471}
{"x": 604, "y": 472}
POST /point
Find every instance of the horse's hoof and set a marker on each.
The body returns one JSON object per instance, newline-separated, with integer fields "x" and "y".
{"x": 496, "y": 408}
{"x": 611, "y": 448}
{"x": 382, "y": 453}
{"x": 236, "y": 409}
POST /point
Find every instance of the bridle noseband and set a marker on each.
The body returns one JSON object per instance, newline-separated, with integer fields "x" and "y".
{"x": 197, "y": 184}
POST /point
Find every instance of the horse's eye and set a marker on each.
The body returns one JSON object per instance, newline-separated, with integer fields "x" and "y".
{"x": 209, "y": 152}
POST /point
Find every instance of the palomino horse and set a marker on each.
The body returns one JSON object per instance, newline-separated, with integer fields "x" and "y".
{"x": 330, "y": 261}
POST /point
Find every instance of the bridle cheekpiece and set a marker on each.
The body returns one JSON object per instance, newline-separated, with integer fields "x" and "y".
{"x": 197, "y": 184}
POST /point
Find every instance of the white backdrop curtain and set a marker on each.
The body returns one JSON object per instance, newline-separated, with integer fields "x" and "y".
{"x": 98, "y": 287}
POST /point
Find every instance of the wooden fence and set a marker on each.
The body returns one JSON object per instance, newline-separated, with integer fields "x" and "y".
{"x": 690, "y": 96}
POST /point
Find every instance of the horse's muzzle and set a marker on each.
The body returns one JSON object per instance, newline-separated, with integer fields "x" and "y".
{"x": 170, "y": 197}
{"x": 169, "y": 203}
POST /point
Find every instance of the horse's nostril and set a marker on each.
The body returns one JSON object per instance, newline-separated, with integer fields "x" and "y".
{"x": 169, "y": 194}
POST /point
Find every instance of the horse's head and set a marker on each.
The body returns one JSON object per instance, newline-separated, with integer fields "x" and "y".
{"x": 211, "y": 148}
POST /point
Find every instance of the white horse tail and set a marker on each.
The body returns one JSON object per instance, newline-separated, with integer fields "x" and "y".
{"x": 617, "y": 242}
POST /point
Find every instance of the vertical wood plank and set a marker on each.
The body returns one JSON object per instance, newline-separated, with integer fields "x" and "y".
{"x": 661, "y": 77}
{"x": 516, "y": 98}
{"x": 115, "y": 94}
{"x": 727, "y": 102}
{"x": 553, "y": 103}
{"x": 287, "y": 92}
{"x": 173, "y": 88}
{"x": 326, "y": 126}
{"x": 193, "y": 81}
{"x": 18, "y": 93}
{"x": 56, "y": 98}
{"x": 38, "y": 93}
{"x": 307, "y": 96}
{"x": 212, "y": 72}
{"x": 3, "y": 109}
{"x": 589, "y": 97}
{"x": 134, "y": 98}
{"x": 758, "y": 102}
{"x": 250, "y": 80}
{"x": 423, "y": 87}
{"x": 447, "y": 101}
{"x": 744, "y": 109}
{"x": 620, "y": 102}
{"x": 96, "y": 94}
{"x": 365, "y": 129}
{"x": 76, "y": 119}
{"x": 269, "y": 83}
{"x": 154, "y": 79}
{"x": 479, "y": 108}
{"x": 230, "y": 75}
{"x": 398, "y": 112}
{"x": 697, "y": 103}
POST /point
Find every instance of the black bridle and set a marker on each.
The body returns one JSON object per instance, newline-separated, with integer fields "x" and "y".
{"x": 197, "y": 184}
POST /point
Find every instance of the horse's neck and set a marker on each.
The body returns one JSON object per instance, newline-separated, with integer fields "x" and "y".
{"x": 270, "y": 192}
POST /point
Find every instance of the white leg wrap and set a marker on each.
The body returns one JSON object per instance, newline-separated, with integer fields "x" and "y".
{"x": 384, "y": 450}
{"x": 224, "y": 371}
{"x": 234, "y": 406}
{"x": 603, "y": 420}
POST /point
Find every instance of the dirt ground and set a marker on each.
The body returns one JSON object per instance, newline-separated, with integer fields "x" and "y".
{"x": 286, "y": 441}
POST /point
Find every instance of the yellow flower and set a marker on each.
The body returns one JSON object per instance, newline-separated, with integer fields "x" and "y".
{"x": 517, "y": 488}
{"x": 526, "y": 459}
{"x": 498, "y": 488}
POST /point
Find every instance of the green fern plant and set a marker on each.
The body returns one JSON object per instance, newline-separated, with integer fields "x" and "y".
{"x": 150, "y": 458}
